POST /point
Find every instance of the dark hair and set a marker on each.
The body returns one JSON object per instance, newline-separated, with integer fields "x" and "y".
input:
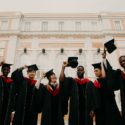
{"x": 80, "y": 66}
{"x": 50, "y": 77}
{"x": 121, "y": 57}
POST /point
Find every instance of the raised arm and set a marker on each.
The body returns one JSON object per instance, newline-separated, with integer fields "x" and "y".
{"x": 17, "y": 75}
{"x": 112, "y": 75}
{"x": 106, "y": 63}
{"x": 62, "y": 74}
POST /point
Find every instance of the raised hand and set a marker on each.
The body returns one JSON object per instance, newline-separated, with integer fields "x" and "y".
{"x": 2, "y": 62}
{"x": 104, "y": 55}
{"x": 65, "y": 64}
{"x": 43, "y": 75}
{"x": 23, "y": 67}
{"x": 92, "y": 114}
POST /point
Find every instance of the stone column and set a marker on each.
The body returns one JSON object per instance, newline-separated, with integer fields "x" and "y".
{"x": 88, "y": 48}
{"x": 35, "y": 44}
{"x": 11, "y": 50}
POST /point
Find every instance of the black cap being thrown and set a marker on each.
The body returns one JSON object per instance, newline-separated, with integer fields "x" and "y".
{"x": 110, "y": 46}
{"x": 72, "y": 62}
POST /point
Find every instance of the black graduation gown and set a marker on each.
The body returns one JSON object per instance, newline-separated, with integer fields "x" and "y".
{"x": 24, "y": 93}
{"x": 106, "y": 111}
{"x": 122, "y": 92}
{"x": 6, "y": 100}
{"x": 49, "y": 105}
{"x": 116, "y": 81}
{"x": 70, "y": 92}
{"x": 76, "y": 93}
{"x": 89, "y": 103}
{"x": 74, "y": 101}
{"x": 81, "y": 95}
{"x": 54, "y": 108}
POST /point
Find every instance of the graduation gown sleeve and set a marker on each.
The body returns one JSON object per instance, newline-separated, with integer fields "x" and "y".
{"x": 24, "y": 90}
{"x": 17, "y": 77}
{"x": 89, "y": 97}
{"x": 64, "y": 93}
{"x": 6, "y": 100}
{"x": 38, "y": 99}
{"x": 71, "y": 93}
{"x": 112, "y": 77}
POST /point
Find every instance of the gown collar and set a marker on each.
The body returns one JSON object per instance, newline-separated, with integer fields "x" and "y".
{"x": 6, "y": 79}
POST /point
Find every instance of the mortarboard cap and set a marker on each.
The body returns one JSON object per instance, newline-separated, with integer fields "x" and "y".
{"x": 6, "y": 65}
{"x": 72, "y": 62}
{"x": 49, "y": 73}
{"x": 97, "y": 65}
{"x": 32, "y": 67}
{"x": 110, "y": 46}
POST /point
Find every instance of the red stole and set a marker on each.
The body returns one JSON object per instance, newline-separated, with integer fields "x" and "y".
{"x": 7, "y": 80}
{"x": 30, "y": 81}
{"x": 82, "y": 81}
{"x": 97, "y": 84}
{"x": 53, "y": 92}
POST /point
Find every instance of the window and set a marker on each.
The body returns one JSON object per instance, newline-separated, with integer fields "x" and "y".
{"x": 78, "y": 26}
{"x": 27, "y": 26}
{"x": 4, "y": 25}
{"x": 117, "y": 25}
{"x": 61, "y": 26}
{"x": 44, "y": 26}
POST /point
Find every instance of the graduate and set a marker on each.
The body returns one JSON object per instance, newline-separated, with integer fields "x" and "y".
{"x": 106, "y": 110}
{"x": 6, "y": 94}
{"x": 121, "y": 79}
{"x": 81, "y": 83}
{"x": 24, "y": 87}
{"x": 50, "y": 100}
{"x": 116, "y": 78}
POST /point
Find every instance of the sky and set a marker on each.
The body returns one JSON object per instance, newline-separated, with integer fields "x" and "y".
{"x": 62, "y": 6}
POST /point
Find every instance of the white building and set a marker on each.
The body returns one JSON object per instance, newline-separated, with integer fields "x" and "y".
{"x": 48, "y": 39}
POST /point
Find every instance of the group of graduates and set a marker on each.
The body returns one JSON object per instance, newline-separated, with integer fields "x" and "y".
{"x": 85, "y": 102}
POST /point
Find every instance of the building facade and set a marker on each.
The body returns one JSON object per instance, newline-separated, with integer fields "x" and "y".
{"x": 49, "y": 39}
